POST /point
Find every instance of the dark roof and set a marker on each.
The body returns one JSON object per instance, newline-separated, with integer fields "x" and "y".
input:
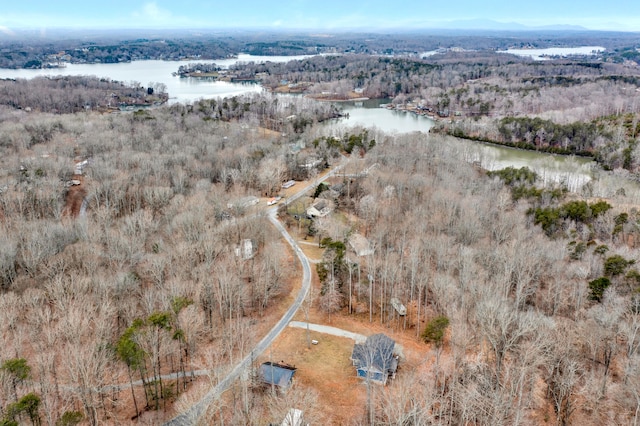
{"x": 319, "y": 205}
{"x": 376, "y": 353}
{"x": 276, "y": 374}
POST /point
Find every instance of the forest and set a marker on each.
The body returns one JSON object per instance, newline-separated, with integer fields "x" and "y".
{"x": 127, "y": 290}
{"x": 27, "y": 49}
{"x": 63, "y": 94}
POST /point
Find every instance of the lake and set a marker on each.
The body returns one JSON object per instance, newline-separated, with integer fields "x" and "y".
{"x": 155, "y": 71}
{"x": 572, "y": 171}
{"x": 369, "y": 113}
{"x": 553, "y": 168}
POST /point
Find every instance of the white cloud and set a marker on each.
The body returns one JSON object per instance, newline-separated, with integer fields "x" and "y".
{"x": 154, "y": 14}
{"x": 6, "y": 30}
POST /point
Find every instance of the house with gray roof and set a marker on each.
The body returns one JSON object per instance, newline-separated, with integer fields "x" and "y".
{"x": 320, "y": 208}
{"x": 374, "y": 359}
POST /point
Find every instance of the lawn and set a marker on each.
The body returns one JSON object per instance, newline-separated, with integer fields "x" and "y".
{"x": 326, "y": 368}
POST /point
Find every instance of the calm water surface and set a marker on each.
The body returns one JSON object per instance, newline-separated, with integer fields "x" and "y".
{"x": 154, "y": 71}
{"x": 572, "y": 171}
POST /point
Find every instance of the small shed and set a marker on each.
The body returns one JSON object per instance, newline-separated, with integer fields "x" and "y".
{"x": 398, "y": 306}
{"x": 280, "y": 375}
{"x": 246, "y": 250}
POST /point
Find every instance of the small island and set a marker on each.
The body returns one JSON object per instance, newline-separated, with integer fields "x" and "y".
{"x": 200, "y": 70}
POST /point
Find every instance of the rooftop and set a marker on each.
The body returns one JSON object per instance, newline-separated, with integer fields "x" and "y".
{"x": 276, "y": 374}
{"x": 376, "y": 353}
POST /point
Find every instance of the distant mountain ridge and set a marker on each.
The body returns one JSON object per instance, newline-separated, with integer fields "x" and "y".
{"x": 488, "y": 24}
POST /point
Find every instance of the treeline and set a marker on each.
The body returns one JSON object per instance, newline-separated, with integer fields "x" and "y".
{"x": 69, "y": 94}
{"x": 575, "y": 138}
{"x": 381, "y": 77}
{"x": 35, "y": 54}
{"x": 513, "y": 87}
{"x": 612, "y": 140}
{"x": 115, "y": 48}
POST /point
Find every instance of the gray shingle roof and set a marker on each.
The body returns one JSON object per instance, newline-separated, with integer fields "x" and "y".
{"x": 376, "y": 353}
{"x": 276, "y": 374}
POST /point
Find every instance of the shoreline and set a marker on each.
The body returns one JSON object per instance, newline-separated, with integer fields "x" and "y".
{"x": 360, "y": 99}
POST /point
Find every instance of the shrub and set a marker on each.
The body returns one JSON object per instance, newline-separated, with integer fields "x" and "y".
{"x": 434, "y": 330}
{"x": 601, "y": 249}
{"x": 70, "y": 418}
{"x": 615, "y": 265}
{"x": 511, "y": 175}
{"x": 548, "y": 218}
{"x": 599, "y": 208}
{"x": 621, "y": 219}
{"x": 633, "y": 277}
{"x": 576, "y": 210}
{"x": 28, "y": 404}
{"x": 577, "y": 249}
{"x": 597, "y": 287}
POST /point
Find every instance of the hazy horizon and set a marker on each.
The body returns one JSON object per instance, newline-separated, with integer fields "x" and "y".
{"x": 329, "y": 15}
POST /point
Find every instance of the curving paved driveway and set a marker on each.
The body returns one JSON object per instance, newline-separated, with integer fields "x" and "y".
{"x": 191, "y": 416}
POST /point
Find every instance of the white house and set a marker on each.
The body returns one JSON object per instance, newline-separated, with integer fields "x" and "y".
{"x": 311, "y": 163}
{"x": 80, "y": 166}
{"x": 320, "y": 208}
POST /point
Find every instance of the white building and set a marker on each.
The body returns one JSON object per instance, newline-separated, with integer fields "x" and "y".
{"x": 245, "y": 250}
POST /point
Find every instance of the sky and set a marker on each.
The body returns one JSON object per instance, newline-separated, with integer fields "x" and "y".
{"x": 622, "y": 15}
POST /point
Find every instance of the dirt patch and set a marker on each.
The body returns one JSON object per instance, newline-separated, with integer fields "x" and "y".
{"x": 269, "y": 132}
{"x": 74, "y": 197}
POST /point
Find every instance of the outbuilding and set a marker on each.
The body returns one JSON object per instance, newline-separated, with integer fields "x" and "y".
{"x": 279, "y": 375}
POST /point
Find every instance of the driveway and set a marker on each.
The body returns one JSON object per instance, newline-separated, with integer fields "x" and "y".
{"x": 334, "y": 331}
{"x": 327, "y": 329}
